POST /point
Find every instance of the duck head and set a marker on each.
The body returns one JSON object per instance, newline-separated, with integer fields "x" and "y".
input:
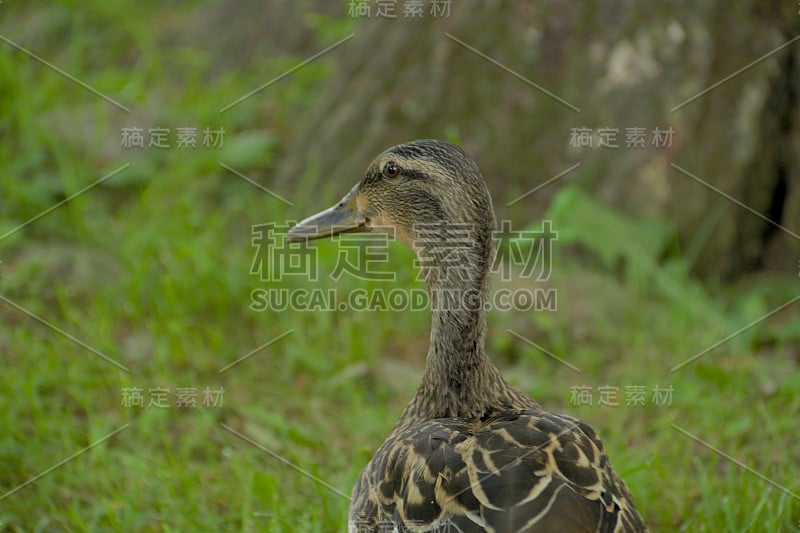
{"x": 429, "y": 194}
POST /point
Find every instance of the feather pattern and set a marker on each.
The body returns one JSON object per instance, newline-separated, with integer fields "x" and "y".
{"x": 517, "y": 470}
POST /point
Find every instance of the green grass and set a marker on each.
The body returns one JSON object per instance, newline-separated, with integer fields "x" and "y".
{"x": 152, "y": 269}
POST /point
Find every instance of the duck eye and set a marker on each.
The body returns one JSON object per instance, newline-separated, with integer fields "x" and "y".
{"x": 391, "y": 170}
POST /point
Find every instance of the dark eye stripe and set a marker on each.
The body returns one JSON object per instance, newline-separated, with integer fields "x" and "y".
{"x": 413, "y": 174}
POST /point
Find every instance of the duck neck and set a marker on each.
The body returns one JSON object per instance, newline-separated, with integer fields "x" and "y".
{"x": 459, "y": 380}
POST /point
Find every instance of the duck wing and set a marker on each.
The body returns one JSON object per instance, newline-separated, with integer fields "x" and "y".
{"x": 515, "y": 471}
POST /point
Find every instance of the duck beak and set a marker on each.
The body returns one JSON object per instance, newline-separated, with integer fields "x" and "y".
{"x": 342, "y": 217}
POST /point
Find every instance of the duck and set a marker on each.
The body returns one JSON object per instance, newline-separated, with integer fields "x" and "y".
{"x": 470, "y": 452}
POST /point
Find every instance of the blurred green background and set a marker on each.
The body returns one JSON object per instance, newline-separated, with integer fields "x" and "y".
{"x": 151, "y": 267}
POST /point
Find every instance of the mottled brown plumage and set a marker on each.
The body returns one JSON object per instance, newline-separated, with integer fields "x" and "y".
{"x": 470, "y": 452}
